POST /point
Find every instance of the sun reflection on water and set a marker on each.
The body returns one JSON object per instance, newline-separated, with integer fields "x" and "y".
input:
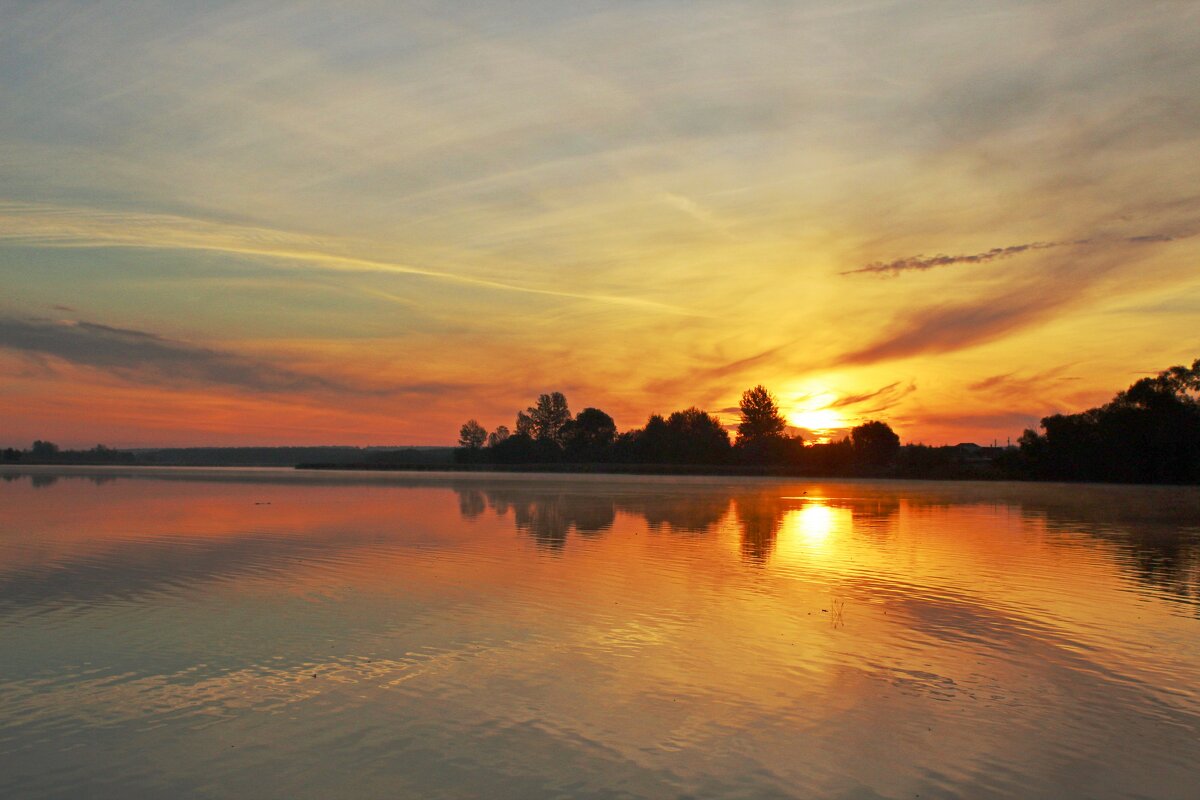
{"x": 814, "y": 528}
{"x": 815, "y": 522}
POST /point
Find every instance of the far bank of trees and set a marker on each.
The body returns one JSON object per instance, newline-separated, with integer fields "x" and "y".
{"x": 43, "y": 452}
{"x": 547, "y": 433}
{"x": 1148, "y": 433}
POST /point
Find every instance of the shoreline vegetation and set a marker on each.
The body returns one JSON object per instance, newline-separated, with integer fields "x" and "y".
{"x": 1148, "y": 433}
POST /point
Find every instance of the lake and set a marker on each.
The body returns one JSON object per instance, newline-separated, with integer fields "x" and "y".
{"x": 269, "y": 633}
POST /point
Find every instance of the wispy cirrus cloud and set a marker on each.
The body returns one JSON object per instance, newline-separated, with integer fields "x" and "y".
{"x": 49, "y": 226}
{"x": 142, "y": 357}
{"x": 1010, "y": 384}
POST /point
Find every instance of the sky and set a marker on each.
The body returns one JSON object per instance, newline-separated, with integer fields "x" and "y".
{"x": 365, "y": 223}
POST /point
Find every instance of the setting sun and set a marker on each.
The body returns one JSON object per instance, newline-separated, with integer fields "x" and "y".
{"x": 814, "y": 412}
{"x": 817, "y": 420}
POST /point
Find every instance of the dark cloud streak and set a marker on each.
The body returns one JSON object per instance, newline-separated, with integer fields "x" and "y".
{"x": 921, "y": 263}
{"x": 948, "y": 327}
{"x": 143, "y": 357}
{"x": 707, "y": 375}
{"x": 1010, "y": 384}
{"x": 943, "y": 329}
{"x": 887, "y": 396}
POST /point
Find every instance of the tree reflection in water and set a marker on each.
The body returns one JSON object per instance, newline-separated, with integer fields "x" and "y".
{"x": 1152, "y": 533}
{"x": 547, "y": 516}
{"x": 1139, "y": 525}
{"x": 550, "y": 516}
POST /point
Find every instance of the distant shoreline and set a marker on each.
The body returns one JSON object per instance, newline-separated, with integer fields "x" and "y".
{"x": 680, "y": 470}
{"x": 583, "y": 468}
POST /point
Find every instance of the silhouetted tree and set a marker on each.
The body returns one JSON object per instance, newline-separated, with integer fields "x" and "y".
{"x": 499, "y": 435}
{"x": 1149, "y": 433}
{"x": 695, "y": 437}
{"x": 830, "y": 458}
{"x": 760, "y": 416}
{"x": 471, "y": 435}
{"x": 590, "y": 435}
{"x": 43, "y": 450}
{"x": 545, "y": 420}
{"x": 691, "y": 436}
{"x": 652, "y": 440}
{"x": 515, "y": 449}
{"x": 524, "y": 425}
{"x": 876, "y": 445}
{"x": 923, "y": 461}
{"x": 624, "y": 448}
{"x": 760, "y": 433}
{"x": 519, "y": 448}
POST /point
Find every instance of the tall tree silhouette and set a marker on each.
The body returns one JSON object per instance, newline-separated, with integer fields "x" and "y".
{"x": 761, "y": 419}
{"x": 497, "y": 436}
{"x": 590, "y": 435}
{"x": 471, "y": 435}
{"x": 546, "y": 420}
{"x": 760, "y": 434}
{"x": 43, "y": 449}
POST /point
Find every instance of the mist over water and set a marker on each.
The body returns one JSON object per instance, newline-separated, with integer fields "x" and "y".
{"x": 260, "y": 633}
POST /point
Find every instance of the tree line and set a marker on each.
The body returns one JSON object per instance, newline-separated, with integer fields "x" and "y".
{"x": 43, "y": 452}
{"x": 547, "y": 433}
{"x": 1149, "y": 433}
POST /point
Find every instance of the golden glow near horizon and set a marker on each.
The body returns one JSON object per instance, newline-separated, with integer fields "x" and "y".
{"x": 816, "y": 415}
{"x": 264, "y": 226}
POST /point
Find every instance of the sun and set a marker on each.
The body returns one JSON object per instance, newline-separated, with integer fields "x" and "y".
{"x": 815, "y": 412}
{"x": 817, "y": 420}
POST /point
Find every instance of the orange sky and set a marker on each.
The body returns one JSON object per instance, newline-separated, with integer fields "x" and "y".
{"x": 223, "y": 226}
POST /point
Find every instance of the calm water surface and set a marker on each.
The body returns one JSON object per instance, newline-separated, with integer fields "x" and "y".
{"x": 192, "y": 633}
